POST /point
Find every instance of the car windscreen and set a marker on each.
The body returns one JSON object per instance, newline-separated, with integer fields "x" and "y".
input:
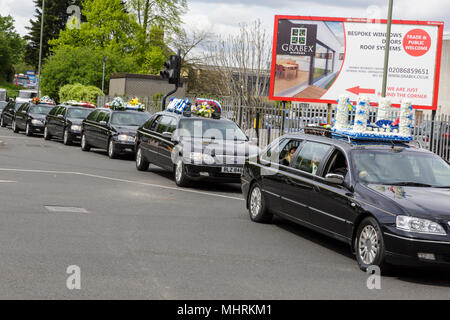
{"x": 17, "y": 106}
{"x": 41, "y": 109}
{"x": 400, "y": 167}
{"x": 129, "y": 118}
{"x": 210, "y": 129}
{"x": 3, "y": 104}
{"x": 78, "y": 113}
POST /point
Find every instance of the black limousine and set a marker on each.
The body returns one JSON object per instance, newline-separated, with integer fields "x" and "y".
{"x": 389, "y": 201}
{"x": 194, "y": 148}
{"x": 64, "y": 122}
{"x": 30, "y": 117}
{"x": 111, "y": 130}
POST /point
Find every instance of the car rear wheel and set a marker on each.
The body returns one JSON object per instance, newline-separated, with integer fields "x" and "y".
{"x": 2, "y": 122}
{"x": 66, "y": 138}
{"x": 181, "y": 179}
{"x": 369, "y": 245}
{"x": 112, "y": 153}
{"x": 28, "y": 131}
{"x": 84, "y": 144}
{"x": 257, "y": 206}
{"x": 14, "y": 127}
{"x": 47, "y": 135}
{"x": 141, "y": 163}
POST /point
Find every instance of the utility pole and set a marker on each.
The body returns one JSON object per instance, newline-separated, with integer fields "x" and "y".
{"x": 103, "y": 77}
{"x": 40, "y": 48}
{"x": 388, "y": 47}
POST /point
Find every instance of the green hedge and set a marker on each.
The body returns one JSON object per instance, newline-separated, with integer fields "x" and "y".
{"x": 79, "y": 92}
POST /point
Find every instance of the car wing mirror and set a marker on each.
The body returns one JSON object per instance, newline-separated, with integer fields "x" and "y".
{"x": 334, "y": 178}
{"x": 167, "y": 135}
{"x": 60, "y": 116}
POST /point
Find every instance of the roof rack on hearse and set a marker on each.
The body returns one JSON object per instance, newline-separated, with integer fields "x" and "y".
{"x": 353, "y": 138}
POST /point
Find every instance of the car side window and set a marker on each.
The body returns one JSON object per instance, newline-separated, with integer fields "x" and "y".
{"x": 338, "y": 164}
{"x": 155, "y": 123}
{"x": 93, "y": 115}
{"x": 172, "y": 125}
{"x": 21, "y": 108}
{"x": 107, "y": 116}
{"x": 287, "y": 153}
{"x": 53, "y": 111}
{"x": 101, "y": 116}
{"x": 311, "y": 156}
{"x": 165, "y": 124}
{"x": 272, "y": 151}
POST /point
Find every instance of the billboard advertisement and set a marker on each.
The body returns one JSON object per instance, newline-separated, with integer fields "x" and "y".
{"x": 316, "y": 59}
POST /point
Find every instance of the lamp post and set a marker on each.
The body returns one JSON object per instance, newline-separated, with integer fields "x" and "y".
{"x": 40, "y": 49}
{"x": 103, "y": 77}
{"x": 388, "y": 47}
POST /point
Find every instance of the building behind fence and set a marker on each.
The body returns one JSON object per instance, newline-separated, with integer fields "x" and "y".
{"x": 269, "y": 122}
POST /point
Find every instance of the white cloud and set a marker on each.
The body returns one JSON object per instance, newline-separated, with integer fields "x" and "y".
{"x": 21, "y": 10}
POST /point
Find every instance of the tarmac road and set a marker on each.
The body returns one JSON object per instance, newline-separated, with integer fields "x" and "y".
{"x": 136, "y": 235}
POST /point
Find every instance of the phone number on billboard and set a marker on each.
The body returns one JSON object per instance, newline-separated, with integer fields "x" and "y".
{"x": 409, "y": 70}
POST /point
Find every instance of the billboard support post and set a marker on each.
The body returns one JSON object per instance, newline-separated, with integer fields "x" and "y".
{"x": 388, "y": 48}
{"x": 329, "y": 113}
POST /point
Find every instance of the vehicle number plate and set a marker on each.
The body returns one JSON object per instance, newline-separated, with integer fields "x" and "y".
{"x": 234, "y": 170}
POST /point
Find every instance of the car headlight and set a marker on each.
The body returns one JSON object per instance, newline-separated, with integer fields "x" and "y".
{"x": 198, "y": 158}
{"x": 35, "y": 122}
{"x": 125, "y": 138}
{"x": 412, "y": 224}
{"x": 75, "y": 128}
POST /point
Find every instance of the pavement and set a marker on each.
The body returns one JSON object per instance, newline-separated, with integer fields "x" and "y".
{"x": 136, "y": 235}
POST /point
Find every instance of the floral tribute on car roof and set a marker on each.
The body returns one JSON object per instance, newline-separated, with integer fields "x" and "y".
{"x": 383, "y": 129}
{"x": 43, "y": 100}
{"x": 205, "y": 108}
{"x": 79, "y": 104}
{"x": 118, "y": 104}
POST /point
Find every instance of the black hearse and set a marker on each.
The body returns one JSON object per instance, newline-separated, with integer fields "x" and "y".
{"x": 193, "y": 147}
{"x": 64, "y": 122}
{"x": 30, "y": 117}
{"x": 8, "y": 113}
{"x": 114, "y": 131}
{"x": 390, "y": 201}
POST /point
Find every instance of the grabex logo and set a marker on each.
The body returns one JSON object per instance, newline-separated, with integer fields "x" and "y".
{"x": 298, "y": 36}
{"x": 296, "y": 39}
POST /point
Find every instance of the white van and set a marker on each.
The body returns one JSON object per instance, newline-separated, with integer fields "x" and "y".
{"x": 26, "y": 96}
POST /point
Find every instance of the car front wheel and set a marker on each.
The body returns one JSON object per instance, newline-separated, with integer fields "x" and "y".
{"x": 369, "y": 245}
{"x": 2, "y": 122}
{"x": 112, "y": 153}
{"x": 47, "y": 135}
{"x": 14, "y": 127}
{"x": 257, "y": 206}
{"x": 66, "y": 138}
{"x": 28, "y": 131}
{"x": 181, "y": 179}
{"x": 141, "y": 163}
{"x": 84, "y": 144}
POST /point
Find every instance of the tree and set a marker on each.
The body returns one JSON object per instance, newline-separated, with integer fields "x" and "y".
{"x": 164, "y": 14}
{"x": 55, "y": 19}
{"x": 78, "y": 92}
{"x": 107, "y": 25}
{"x": 82, "y": 65}
{"x": 11, "y": 45}
{"x": 239, "y": 66}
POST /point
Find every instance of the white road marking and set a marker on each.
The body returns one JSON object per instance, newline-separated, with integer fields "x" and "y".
{"x": 66, "y": 209}
{"x": 123, "y": 180}
{"x": 17, "y": 138}
{"x": 7, "y": 181}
